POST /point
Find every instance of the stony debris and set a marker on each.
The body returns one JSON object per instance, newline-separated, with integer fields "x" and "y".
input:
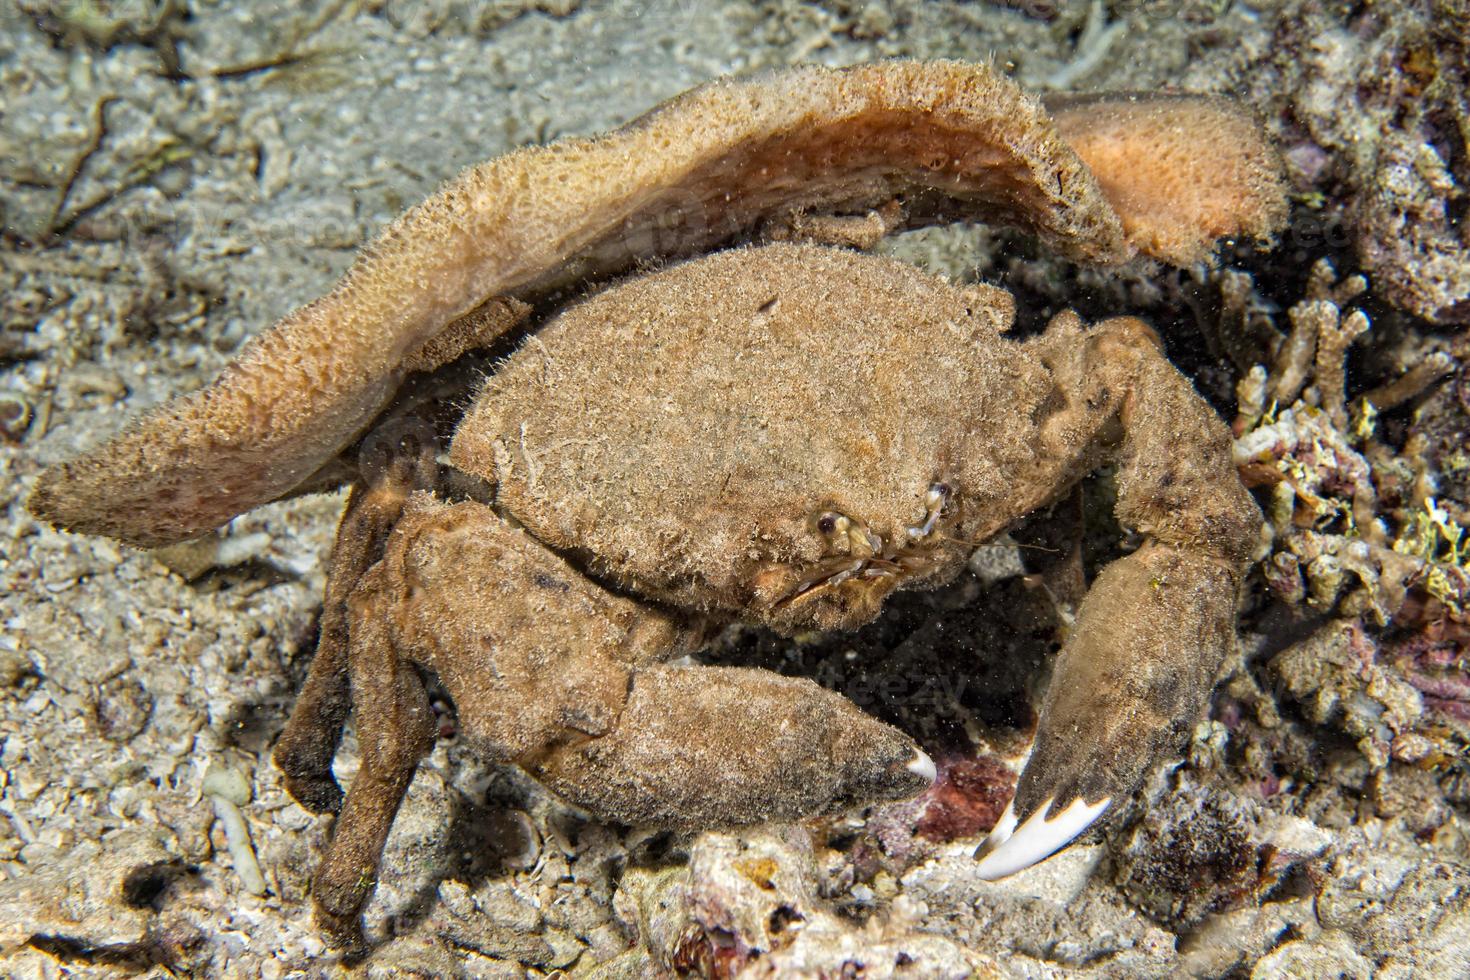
{"x": 1335, "y": 675}
{"x": 1199, "y": 852}
{"x": 1371, "y": 108}
{"x": 1357, "y": 533}
{"x": 1049, "y": 916}
{"x": 102, "y": 898}
{"x": 747, "y": 906}
{"x": 229, "y": 791}
{"x": 1228, "y": 942}
{"x": 1409, "y": 916}
{"x": 1329, "y": 956}
{"x": 1438, "y": 430}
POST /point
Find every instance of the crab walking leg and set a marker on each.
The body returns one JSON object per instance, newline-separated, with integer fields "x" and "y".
{"x": 395, "y": 728}
{"x": 306, "y": 748}
{"x": 1156, "y": 625}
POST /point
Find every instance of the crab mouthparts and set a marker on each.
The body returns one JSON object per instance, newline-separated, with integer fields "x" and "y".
{"x": 835, "y": 571}
{"x": 867, "y": 557}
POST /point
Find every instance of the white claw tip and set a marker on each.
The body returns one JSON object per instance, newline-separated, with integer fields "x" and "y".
{"x": 922, "y": 765}
{"x": 1000, "y": 833}
{"x": 1009, "y": 849}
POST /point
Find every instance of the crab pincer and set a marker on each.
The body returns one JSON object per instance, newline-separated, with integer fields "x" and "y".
{"x": 1157, "y": 624}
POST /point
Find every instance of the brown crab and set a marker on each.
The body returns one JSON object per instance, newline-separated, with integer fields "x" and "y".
{"x": 781, "y": 434}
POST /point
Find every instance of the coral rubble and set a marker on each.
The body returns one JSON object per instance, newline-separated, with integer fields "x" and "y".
{"x": 1373, "y": 114}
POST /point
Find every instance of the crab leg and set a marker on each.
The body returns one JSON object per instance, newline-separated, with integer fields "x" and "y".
{"x": 395, "y": 728}
{"x": 1156, "y": 625}
{"x": 307, "y": 746}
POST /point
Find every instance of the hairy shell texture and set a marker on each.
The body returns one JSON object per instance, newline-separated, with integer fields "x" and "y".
{"x": 946, "y": 140}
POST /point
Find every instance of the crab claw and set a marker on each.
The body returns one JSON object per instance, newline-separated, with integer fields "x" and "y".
{"x": 1008, "y": 850}
{"x": 696, "y": 747}
{"x": 1127, "y": 688}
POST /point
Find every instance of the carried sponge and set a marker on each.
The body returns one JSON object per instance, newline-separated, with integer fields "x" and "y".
{"x": 926, "y": 141}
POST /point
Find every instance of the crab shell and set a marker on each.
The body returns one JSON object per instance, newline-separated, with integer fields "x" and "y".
{"x": 689, "y": 448}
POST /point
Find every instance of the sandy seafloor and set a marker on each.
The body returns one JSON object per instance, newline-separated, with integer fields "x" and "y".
{"x": 172, "y": 184}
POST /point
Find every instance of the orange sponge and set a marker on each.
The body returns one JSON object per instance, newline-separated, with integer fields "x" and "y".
{"x": 1181, "y": 171}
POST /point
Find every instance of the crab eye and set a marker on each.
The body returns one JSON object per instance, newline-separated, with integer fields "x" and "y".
{"x": 827, "y": 523}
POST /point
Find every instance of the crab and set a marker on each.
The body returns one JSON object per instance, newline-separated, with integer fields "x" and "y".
{"x": 780, "y": 434}
{"x": 634, "y": 493}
